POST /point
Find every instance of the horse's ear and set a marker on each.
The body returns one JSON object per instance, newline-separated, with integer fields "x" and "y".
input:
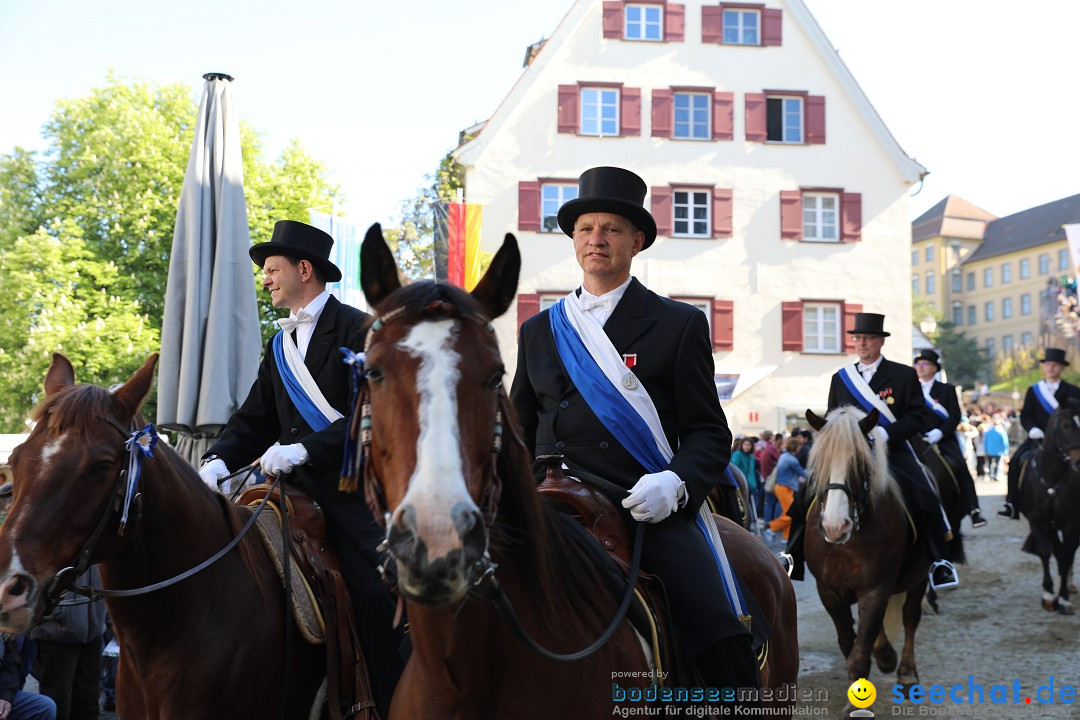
{"x": 378, "y": 270}
{"x": 131, "y": 395}
{"x": 867, "y": 423}
{"x": 61, "y": 375}
{"x": 816, "y": 421}
{"x": 496, "y": 290}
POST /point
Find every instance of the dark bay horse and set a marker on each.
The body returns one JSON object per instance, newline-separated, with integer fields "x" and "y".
{"x": 859, "y": 543}
{"x": 191, "y": 651}
{"x": 446, "y": 466}
{"x": 1051, "y": 502}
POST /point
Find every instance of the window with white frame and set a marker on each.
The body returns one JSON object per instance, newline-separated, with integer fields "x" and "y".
{"x": 1006, "y": 308}
{"x": 990, "y": 346}
{"x": 929, "y": 253}
{"x": 1006, "y": 273}
{"x": 690, "y": 210}
{"x": 549, "y": 299}
{"x": 971, "y": 281}
{"x": 988, "y": 277}
{"x": 914, "y": 284}
{"x": 988, "y": 311}
{"x": 821, "y": 217}
{"x": 692, "y": 120}
{"x": 1006, "y": 343}
{"x": 929, "y": 282}
{"x": 1025, "y": 269}
{"x": 784, "y": 119}
{"x": 742, "y": 27}
{"x": 1025, "y": 338}
{"x": 1044, "y": 264}
{"x": 1063, "y": 259}
{"x": 971, "y": 315}
{"x": 957, "y": 282}
{"x": 552, "y": 197}
{"x": 821, "y": 328}
{"x": 1025, "y": 304}
{"x": 600, "y": 111}
{"x": 644, "y": 22}
{"x": 914, "y": 257}
{"x": 958, "y": 313}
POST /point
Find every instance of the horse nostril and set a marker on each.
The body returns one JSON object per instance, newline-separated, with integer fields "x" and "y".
{"x": 18, "y": 587}
{"x": 469, "y": 524}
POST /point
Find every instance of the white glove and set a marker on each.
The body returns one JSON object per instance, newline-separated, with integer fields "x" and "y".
{"x": 654, "y": 496}
{"x": 1035, "y": 434}
{"x": 879, "y": 434}
{"x": 934, "y": 436}
{"x": 212, "y": 471}
{"x": 281, "y": 459}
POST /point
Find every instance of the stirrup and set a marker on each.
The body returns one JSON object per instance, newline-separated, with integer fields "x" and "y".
{"x": 1009, "y": 511}
{"x": 948, "y": 585}
{"x": 786, "y": 561}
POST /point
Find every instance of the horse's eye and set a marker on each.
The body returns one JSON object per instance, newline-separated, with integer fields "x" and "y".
{"x": 375, "y": 375}
{"x": 98, "y": 470}
{"x": 496, "y": 380}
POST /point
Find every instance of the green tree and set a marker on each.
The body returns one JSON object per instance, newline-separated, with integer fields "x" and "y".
{"x": 86, "y": 231}
{"x": 964, "y": 360}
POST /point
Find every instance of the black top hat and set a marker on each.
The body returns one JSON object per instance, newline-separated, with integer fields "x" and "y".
{"x": 298, "y": 240}
{"x": 929, "y": 356}
{"x": 869, "y": 324}
{"x": 1054, "y": 355}
{"x": 611, "y": 190}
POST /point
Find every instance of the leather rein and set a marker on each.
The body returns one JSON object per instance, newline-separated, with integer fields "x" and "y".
{"x": 63, "y": 581}
{"x": 484, "y": 569}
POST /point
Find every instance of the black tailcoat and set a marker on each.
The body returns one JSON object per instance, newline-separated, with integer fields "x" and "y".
{"x": 675, "y": 364}
{"x": 268, "y": 416}
{"x": 1033, "y": 415}
{"x": 945, "y": 394}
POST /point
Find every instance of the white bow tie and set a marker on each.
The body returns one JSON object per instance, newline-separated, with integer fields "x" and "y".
{"x": 301, "y": 318}
{"x": 864, "y": 368}
{"x": 596, "y": 304}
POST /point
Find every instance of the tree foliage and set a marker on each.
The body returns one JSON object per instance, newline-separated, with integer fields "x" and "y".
{"x": 86, "y": 231}
{"x": 964, "y": 360}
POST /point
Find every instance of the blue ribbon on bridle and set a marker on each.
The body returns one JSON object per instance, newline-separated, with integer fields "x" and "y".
{"x": 140, "y": 445}
{"x": 352, "y": 460}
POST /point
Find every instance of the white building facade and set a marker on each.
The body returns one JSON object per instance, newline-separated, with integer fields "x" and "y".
{"x": 779, "y": 194}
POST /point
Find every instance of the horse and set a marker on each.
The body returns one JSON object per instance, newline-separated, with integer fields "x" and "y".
{"x": 1051, "y": 502}
{"x": 188, "y": 650}
{"x": 859, "y": 543}
{"x": 444, "y": 464}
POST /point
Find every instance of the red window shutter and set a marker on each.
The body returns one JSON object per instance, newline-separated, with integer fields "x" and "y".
{"x": 815, "y": 119}
{"x": 630, "y": 111}
{"x": 674, "y": 22}
{"x": 568, "y": 109}
{"x": 791, "y": 214}
{"x": 723, "y": 205}
{"x": 662, "y": 113}
{"x": 613, "y": 19}
{"x": 851, "y": 216}
{"x": 772, "y": 22}
{"x": 529, "y": 206}
{"x": 756, "y": 121}
{"x": 849, "y": 324}
{"x": 791, "y": 314}
{"x": 723, "y": 116}
{"x": 712, "y": 24}
{"x": 661, "y": 209}
{"x": 528, "y": 304}
{"x": 723, "y": 324}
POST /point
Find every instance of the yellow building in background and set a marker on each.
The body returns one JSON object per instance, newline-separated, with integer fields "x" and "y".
{"x": 1002, "y": 281}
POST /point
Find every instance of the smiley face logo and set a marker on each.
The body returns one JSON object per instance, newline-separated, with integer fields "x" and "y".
{"x": 862, "y": 693}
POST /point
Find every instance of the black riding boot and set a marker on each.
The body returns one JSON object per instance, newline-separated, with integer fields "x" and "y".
{"x": 943, "y": 575}
{"x": 796, "y": 533}
{"x": 1011, "y": 508}
{"x": 730, "y": 663}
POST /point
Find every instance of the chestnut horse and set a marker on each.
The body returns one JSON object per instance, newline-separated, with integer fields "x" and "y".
{"x": 859, "y": 543}
{"x": 191, "y": 650}
{"x": 445, "y": 465}
{"x": 1051, "y": 502}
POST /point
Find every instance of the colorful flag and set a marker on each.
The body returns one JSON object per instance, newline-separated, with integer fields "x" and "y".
{"x": 457, "y": 243}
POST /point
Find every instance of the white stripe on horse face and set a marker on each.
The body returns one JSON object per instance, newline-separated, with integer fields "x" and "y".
{"x": 438, "y": 481}
{"x": 836, "y": 515}
{"x": 49, "y": 450}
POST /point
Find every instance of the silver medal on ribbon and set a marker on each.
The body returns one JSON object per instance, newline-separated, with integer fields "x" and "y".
{"x": 630, "y": 381}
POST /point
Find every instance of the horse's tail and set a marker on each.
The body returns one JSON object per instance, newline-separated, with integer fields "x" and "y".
{"x": 893, "y": 623}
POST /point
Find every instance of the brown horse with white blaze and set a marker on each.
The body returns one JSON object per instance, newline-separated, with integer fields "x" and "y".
{"x": 859, "y": 543}
{"x": 187, "y": 651}
{"x": 445, "y": 464}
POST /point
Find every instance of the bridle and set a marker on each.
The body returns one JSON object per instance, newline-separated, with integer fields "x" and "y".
{"x": 483, "y": 571}
{"x": 857, "y": 499}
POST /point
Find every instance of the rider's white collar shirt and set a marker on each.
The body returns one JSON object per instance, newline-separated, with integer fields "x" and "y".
{"x": 1053, "y": 386}
{"x": 601, "y": 306}
{"x": 305, "y": 330}
{"x": 926, "y": 385}
{"x": 867, "y": 371}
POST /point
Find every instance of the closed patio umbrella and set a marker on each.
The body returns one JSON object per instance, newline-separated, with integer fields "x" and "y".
{"x": 210, "y": 339}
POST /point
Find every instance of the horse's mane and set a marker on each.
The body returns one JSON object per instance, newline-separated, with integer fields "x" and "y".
{"x": 840, "y": 454}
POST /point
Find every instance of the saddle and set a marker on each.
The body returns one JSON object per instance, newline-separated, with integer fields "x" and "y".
{"x": 316, "y": 577}
{"x": 597, "y": 514}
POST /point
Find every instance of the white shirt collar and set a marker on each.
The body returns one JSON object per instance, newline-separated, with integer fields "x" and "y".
{"x": 601, "y": 306}
{"x": 872, "y": 367}
{"x": 305, "y": 331}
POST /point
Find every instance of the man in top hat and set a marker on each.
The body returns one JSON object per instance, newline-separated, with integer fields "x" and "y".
{"x": 297, "y": 429}
{"x": 620, "y": 382}
{"x": 1041, "y": 400}
{"x": 893, "y": 389}
{"x": 941, "y": 399}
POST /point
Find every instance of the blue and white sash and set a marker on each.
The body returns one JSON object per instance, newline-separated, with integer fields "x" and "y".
{"x": 625, "y": 408}
{"x": 302, "y": 389}
{"x": 937, "y": 407}
{"x": 867, "y": 398}
{"x": 1045, "y": 397}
